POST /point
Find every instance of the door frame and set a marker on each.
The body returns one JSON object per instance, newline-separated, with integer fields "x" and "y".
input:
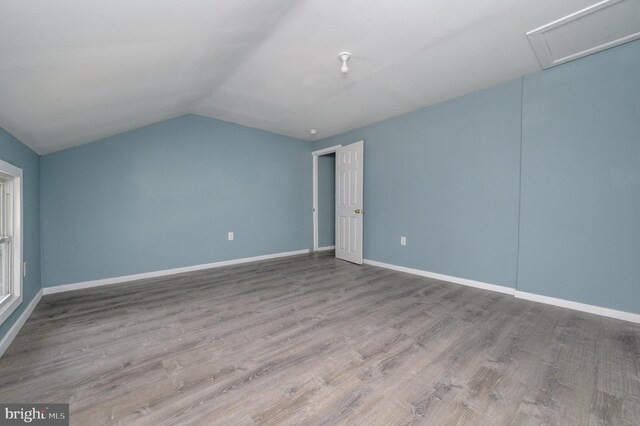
{"x": 315, "y": 155}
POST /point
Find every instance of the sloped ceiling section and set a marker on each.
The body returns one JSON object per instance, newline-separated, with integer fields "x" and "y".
{"x": 74, "y": 71}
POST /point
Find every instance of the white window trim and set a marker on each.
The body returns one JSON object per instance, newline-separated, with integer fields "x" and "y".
{"x": 10, "y": 304}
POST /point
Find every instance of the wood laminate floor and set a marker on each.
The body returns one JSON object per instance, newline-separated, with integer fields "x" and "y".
{"x": 314, "y": 340}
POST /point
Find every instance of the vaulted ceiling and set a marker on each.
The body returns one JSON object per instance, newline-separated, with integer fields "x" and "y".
{"x": 74, "y": 71}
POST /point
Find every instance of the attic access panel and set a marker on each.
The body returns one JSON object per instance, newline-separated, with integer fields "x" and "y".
{"x": 598, "y": 27}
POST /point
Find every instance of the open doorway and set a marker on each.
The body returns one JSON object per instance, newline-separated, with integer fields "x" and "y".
{"x": 324, "y": 198}
{"x": 326, "y": 202}
{"x": 338, "y": 175}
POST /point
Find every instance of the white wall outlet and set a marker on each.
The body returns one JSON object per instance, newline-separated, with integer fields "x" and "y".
{"x": 24, "y": 269}
{"x": 230, "y": 236}
{"x": 403, "y": 241}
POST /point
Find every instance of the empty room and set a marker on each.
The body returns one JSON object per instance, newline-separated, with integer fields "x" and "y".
{"x": 305, "y": 212}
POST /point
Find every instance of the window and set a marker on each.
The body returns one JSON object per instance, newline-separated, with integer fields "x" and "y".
{"x": 10, "y": 239}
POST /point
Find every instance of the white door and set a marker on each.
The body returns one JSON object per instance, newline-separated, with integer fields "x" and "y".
{"x": 349, "y": 207}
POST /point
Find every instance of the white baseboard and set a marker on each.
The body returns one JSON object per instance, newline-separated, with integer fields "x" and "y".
{"x": 576, "y": 306}
{"x": 155, "y": 274}
{"x": 326, "y": 248}
{"x": 15, "y": 328}
{"x": 463, "y": 281}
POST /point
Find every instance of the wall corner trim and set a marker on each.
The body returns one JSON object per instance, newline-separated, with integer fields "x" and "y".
{"x": 22, "y": 319}
{"x": 165, "y": 272}
{"x": 441, "y": 277}
{"x": 577, "y": 306}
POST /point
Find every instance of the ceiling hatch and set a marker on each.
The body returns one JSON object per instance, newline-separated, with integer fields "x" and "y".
{"x": 606, "y": 24}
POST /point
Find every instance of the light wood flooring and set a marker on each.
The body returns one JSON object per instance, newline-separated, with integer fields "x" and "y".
{"x": 313, "y": 340}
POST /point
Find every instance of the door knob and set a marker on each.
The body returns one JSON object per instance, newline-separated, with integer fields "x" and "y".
{"x": 358, "y": 211}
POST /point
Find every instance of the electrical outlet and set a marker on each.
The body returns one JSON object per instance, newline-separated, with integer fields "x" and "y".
{"x": 403, "y": 241}
{"x": 230, "y": 236}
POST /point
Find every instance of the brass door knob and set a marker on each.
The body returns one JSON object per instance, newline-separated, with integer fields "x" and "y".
{"x": 359, "y": 211}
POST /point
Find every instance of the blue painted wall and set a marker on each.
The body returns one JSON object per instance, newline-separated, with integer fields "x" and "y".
{"x": 447, "y": 178}
{"x": 166, "y": 195}
{"x": 580, "y": 220}
{"x": 14, "y": 152}
{"x": 326, "y": 200}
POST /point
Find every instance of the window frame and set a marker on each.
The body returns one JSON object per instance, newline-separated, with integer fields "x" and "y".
{"x": 12, "y": 177}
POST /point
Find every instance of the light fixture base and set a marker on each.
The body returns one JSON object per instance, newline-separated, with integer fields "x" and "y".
{"x": 344, "y": 57}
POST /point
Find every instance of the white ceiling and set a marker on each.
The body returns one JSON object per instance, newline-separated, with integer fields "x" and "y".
{"x": 74, "y": 71}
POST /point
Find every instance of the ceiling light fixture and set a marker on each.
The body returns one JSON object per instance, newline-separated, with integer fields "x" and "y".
{"x": 344, "y": 57}
{"x": 313, "y": 132}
